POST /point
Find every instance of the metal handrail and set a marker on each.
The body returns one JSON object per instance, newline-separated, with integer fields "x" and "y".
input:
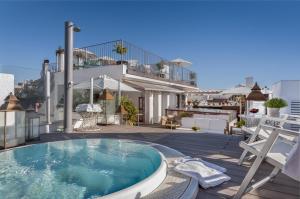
{"x": 139, "y": 62}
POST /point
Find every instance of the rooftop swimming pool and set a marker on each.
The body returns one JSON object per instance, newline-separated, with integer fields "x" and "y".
{"x": 83, "y": 168}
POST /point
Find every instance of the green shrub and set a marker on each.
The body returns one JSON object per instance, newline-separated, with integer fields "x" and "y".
{"x": 276, "y": 103}
{"x": 195, "y": 128}
{"x": 185, "y": 114}
{"x": 241, "y": 123}
{"x": 131, "y": 110}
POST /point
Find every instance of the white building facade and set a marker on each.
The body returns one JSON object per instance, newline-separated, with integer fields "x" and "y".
{"x": 7, "y": 86}
{"x": 288, "y": 90}
{"x": 161, "y": 84}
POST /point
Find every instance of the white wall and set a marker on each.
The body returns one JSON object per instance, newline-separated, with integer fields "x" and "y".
{"x": 6, "y": 86}
{"x": 133, "y": 96}
{"x": 173, "y": 100}
{"x": 258, "y": 105}
{"x": 149, "y": 107}
{"x": 288, "y": 90}
{"x": 81, "y": 75}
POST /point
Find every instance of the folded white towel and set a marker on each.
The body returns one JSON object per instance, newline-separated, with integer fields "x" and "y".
{"x": 206, "y": 173}
{"x": 208, "y": 164}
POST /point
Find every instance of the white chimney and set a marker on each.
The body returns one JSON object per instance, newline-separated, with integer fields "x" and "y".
{"x": 249, "y": 82}
{"x": 60, "y": 59}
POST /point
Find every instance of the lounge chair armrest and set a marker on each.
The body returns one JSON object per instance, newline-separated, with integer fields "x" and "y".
{"x": 281, "y": 130}
{"x": 286, "y": 121}
{"x": 247, "y": 129}
{"x": 292, "y": 116}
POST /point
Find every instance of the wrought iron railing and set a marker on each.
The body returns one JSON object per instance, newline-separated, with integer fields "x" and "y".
{"x": 139, "y": 62}
{"x": 53, "y": 67}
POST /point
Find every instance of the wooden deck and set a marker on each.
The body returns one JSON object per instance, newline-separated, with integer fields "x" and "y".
{"x": 220, "y": 149}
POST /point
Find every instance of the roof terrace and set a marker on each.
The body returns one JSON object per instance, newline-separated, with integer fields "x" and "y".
{"x": 220, "y": 149}
{"x": 138, "y": 61}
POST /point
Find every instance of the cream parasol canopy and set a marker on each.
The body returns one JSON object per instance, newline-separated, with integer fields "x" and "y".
{"x": 180, "y": 62}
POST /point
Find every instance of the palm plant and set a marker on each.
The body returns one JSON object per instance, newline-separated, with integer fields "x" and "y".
{"x": 130, "y": 109}
{"x": 120, "y": 49}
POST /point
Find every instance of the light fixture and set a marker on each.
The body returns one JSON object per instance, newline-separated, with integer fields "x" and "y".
{"x": 76, "y": 29}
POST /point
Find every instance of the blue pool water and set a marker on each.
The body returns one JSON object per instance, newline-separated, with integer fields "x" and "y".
{"x": 83, "y": 168}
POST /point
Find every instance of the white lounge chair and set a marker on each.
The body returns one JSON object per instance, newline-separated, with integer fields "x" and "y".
{"x": 259, "y": 133}
{"x": 274, "y": 150}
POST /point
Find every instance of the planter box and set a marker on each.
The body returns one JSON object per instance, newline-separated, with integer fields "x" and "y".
{"x": 273, "y": 112}
{"x": 217, "y": 125}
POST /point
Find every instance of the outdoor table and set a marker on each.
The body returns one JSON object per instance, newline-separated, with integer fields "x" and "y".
{"x": 89, "y": 114}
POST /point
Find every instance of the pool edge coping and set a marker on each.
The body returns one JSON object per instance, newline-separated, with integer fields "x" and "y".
{"x": 190, "y": 191}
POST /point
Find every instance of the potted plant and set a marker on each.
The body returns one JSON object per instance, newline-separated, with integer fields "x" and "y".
{"x": 240, "y": 123}
{"x": 160, "y": 65}
{"x": 274, "y": 105}
{"x": 192, "y": 75}
{"x": 195, "y": 104}
{"x": 131, "y": 110}
{"x": 121, "y": 50}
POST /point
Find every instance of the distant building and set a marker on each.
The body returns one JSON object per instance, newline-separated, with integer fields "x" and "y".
{"x": 7, "y": 86}
{"x": 288, "y": 90}
{"x": 249, "y": 82}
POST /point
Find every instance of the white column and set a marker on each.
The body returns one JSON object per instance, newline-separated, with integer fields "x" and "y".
{"x": 148, "y": 107}
{"x": 172, "y": 100}
{"x": 186, "y": 99}
{"x": 168, "y": 100}
{"x": 47, "y": 95}
{"x": 165, "y": 102}
{"x": 159, "y": 107}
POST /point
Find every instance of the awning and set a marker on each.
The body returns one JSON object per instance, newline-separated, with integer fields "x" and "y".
{"x": 104, "y": 82}
{"x": 153, "y": 87}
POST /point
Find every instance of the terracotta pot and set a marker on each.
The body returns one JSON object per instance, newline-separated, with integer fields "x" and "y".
{"x": 273, "y": 112}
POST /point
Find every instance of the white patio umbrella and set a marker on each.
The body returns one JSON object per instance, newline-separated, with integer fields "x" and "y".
{"x": 180, "y": 62}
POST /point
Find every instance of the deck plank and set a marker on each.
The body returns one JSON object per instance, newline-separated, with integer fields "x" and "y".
{"x": 216, "y": 148}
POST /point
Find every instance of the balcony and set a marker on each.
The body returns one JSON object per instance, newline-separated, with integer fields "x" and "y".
{"x": 138, "y": 61}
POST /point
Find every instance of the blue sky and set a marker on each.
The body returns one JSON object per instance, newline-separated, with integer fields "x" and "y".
{"x": 226, "y": 41}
